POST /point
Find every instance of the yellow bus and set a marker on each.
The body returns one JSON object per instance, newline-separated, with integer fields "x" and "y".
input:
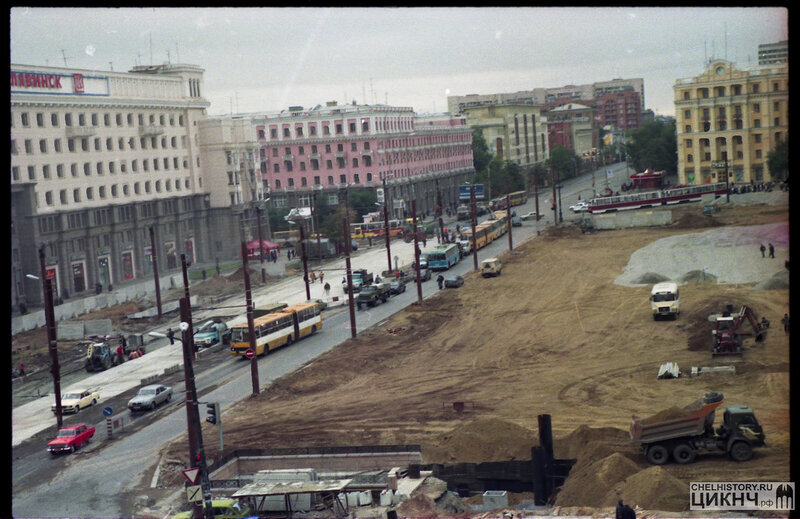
{"x": 276, "y": 329}
{"x": 517, "y": 198}
{"x": 482, "y": 237}
{"x": 359, "y": 231}
{"x": 283, "y": 237}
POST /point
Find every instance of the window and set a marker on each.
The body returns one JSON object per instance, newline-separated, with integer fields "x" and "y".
{"x": 40, "y": 120}
{"x": 54, "y": 120}
{"x": 43, "y": 145}
{"x": 25, "y": 119}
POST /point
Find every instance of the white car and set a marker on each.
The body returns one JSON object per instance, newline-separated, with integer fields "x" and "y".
{"x": 528, "y": 216}
{"x": 74, "y": 401}
{"x": 580, "y": 207}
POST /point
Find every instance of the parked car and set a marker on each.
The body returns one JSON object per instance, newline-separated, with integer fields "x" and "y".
{"x": 424, "y": 274}
{"x": 453, "y": 281}
{"x": 397, "y": 286}
{"x": 70, "y": 438}
{"x": 74, "y": 401}
{"x": 580, "y": 207}
{"x": 528, "y": 216}
{"x": 516, "y": 221}
{"x": 149, "y": 397}
{"x": 222, "y": 509}
{"x": 491, "y": 267}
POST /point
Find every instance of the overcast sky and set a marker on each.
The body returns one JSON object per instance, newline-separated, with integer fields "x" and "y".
{"x": 269, "y": 59}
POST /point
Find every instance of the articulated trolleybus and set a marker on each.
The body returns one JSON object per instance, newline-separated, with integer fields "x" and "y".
{"x": 273, "y": 330}
{"x": 443, "y": 257}
{"x": 675, "y": 195}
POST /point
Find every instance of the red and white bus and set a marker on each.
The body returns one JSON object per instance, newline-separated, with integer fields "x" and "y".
{"x": 639, "y": 200}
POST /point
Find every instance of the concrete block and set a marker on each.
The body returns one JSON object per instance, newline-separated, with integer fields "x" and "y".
{"x": 387, "y": 497}
{"x": 352, "y": 498}
{"x": 70, "y": 330}
{"x": 364, "y": 498}
{"x": 495, "y": 499}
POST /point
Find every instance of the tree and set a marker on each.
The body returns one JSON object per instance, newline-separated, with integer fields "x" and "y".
{"x": 778, "y": 161}
{"x": 654, "y": 146}
{"x": 481, "y": 156}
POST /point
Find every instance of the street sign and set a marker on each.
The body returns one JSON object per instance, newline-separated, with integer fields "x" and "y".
{"x": 379, "y": 193}
{"x": 108, "y": 411}
{"x": 191, "y": 474}
{"x": 249, "y": 353}
{"x": 194, "y": 494}
{"x": 609, "y": 173}
{"x": 463, "y": 192}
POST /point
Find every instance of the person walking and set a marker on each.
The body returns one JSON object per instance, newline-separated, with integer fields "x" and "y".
{"x": 327, "y": 288}
{"x": 771, "y": 251}
{"x": 785, "y": 323}
{"x": 21, "y": 369}
{"x": 321, "y": 275}
{"x": 440, "y": 281}
{"x": 313, "y": 276}
{"x": 763, "y": 249}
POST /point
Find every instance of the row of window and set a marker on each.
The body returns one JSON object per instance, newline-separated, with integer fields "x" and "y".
{"x": 403, "y": 124}
{"x": 78, "y": 144}
{"x": 119, "y": 119}
{"x": 722, "y": 125}
{"x": 720, "y": 91}
{"x": 104, "y": 216}
{"x": 100, "y": 168}
{"x": 78, "y": 194}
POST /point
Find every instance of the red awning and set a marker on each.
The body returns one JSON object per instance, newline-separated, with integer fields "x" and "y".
{"x": 252, "y": 247}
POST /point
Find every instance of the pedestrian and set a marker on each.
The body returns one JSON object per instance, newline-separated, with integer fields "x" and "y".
{"x": 763, "y": 249}
{"x": 397, "y": 274}
{"x": 785, "y": 322}
{"x": 21, "y": 369}
{"x": 313, "y": 276}
{"x": 628, "y": 512}
{"x": 377, "y": 279}
{"x": 424, "y": 240}
{"x": 321, "y": 275}
{"x": 327, "y": 288}
{"x": 771, "y": 251}
{"x": 440, "y": 281}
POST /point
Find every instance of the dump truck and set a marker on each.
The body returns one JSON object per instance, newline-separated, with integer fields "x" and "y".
{"x": 371, "y": 295}
{"x": 101, "y": 352}
{"x": 727, "y": 335}
{"x": 682, "y": 435}
{"x": 360, "y": 278}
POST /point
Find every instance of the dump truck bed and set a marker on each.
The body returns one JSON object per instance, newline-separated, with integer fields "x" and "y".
{"x": 693, "y": 422}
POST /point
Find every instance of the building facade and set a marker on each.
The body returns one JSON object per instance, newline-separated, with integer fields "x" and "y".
{"x": 329, "y": 150}
{"x": 622, "y": 110}
{"x": 97, "y": 160}
{"x": 514, "y": 131}
{"x": 557, "y": 95}
{"x": 773, "y": 53}
{"x": 733, "y": 115}
{"x": 574, "y": 126}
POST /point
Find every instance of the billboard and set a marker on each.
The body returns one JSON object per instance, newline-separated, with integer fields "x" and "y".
{"x": 463, "y": 192}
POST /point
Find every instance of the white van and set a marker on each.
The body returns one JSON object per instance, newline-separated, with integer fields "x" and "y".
{"x": 491, "y": 267}
{"x": 664, "y": 300}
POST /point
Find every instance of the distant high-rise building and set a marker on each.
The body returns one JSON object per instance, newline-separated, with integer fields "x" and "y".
{"x": 772, "y": 53}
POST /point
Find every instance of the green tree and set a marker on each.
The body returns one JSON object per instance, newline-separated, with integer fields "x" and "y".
{"x": 654, "y": 146}
{"x": 778, "y": 161}
{"x": 481, "y": 156}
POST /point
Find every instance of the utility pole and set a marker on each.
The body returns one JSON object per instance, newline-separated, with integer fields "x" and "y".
{"x": 474, "y": 225}
{"x": 154, "y": 258}
{"x": 185, "y": 271}
{"x": 416, "y": 249}
{"x": 349, "y": 274}
{"x": 261, "y": 246}
{"x": 52, "y": 345}
{"x": 305, "y": 262}
{"x": 553, "y": 181}
{"x": 386, "y": 225}
{"x": 508, "y": 213}
{"x": 251, "y": 331}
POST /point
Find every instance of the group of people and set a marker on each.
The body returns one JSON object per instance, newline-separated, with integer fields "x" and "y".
{"x": 760, "y": 186}
{"x": 312, "y": 276}
{"x": 764, "y": 250}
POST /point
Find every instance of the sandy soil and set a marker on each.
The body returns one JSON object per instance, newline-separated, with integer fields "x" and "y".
{"x": 554, "y": 334}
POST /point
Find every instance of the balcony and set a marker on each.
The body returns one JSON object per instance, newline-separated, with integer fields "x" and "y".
{"x": 81, "y": 131}
{"x": 150, "y": 130}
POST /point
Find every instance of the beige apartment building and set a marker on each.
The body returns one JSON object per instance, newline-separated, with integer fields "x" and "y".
{"x": 733, "y": 115}
{"x": 514, "y": 131}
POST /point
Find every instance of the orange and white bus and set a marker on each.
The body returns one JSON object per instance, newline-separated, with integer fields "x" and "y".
{"x": 375, "y": 229}
{"x": 277, "y": 329}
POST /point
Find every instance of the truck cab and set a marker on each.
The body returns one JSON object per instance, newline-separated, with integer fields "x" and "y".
{"x": 665, "y": 300}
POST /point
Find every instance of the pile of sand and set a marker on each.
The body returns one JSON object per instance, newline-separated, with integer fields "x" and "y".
{"x": 650, "y": 278}
{"x": 653, "y": 488}
{"x": 590, "y": 443}
{"x": 698, "y": 276}
{"x": 588, "y": 483}
{"x": 421, "y": 506}
{"x": 483, "y": 440}
{"x": 778, "y": 281}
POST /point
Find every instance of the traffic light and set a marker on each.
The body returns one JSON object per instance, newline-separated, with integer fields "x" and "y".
{"x": 212, "y": 410}
{"x": 171, "y": 335}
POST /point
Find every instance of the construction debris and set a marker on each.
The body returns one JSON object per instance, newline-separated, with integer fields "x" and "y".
{"x": 669, "y": 370}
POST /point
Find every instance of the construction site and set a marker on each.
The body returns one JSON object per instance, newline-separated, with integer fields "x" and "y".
{"x": 566, "y": 331}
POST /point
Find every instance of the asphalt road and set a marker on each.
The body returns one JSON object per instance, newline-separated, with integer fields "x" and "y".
{"x": 100, "y": 479}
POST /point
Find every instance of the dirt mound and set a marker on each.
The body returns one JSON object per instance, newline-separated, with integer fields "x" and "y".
{"x": 671, "y": 413}
{"x": 692, "y": 219}
{"x": 698, "y": 276}
{"x": 779, "y": 281}
{"x": 238, "y": 276}
{"x": 421, "y": 506}
{"x": 484, "y": 440}
{"x": 653, "y": 488}
{"x": 585, "y": 442}
{"x": 588, "y": 483}
{"x": 776, "y": 385}
{"x": 650, "y": 278}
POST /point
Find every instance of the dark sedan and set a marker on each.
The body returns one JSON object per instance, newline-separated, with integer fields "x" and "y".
{"x": 453, "y": 281}
{"x": 397, "y": 286}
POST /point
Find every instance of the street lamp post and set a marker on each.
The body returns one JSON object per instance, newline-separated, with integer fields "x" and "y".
{"x": 50, "y": 320}
{"x": 386, "y": 225}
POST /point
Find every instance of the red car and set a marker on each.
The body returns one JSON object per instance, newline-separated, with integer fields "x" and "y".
{"x": 70, "y": 438}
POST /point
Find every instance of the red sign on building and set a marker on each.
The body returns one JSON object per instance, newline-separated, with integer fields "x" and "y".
{"x": 77, "y": 83}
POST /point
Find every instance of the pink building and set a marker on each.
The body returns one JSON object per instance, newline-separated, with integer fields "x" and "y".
{"x": 326, "y": 149}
